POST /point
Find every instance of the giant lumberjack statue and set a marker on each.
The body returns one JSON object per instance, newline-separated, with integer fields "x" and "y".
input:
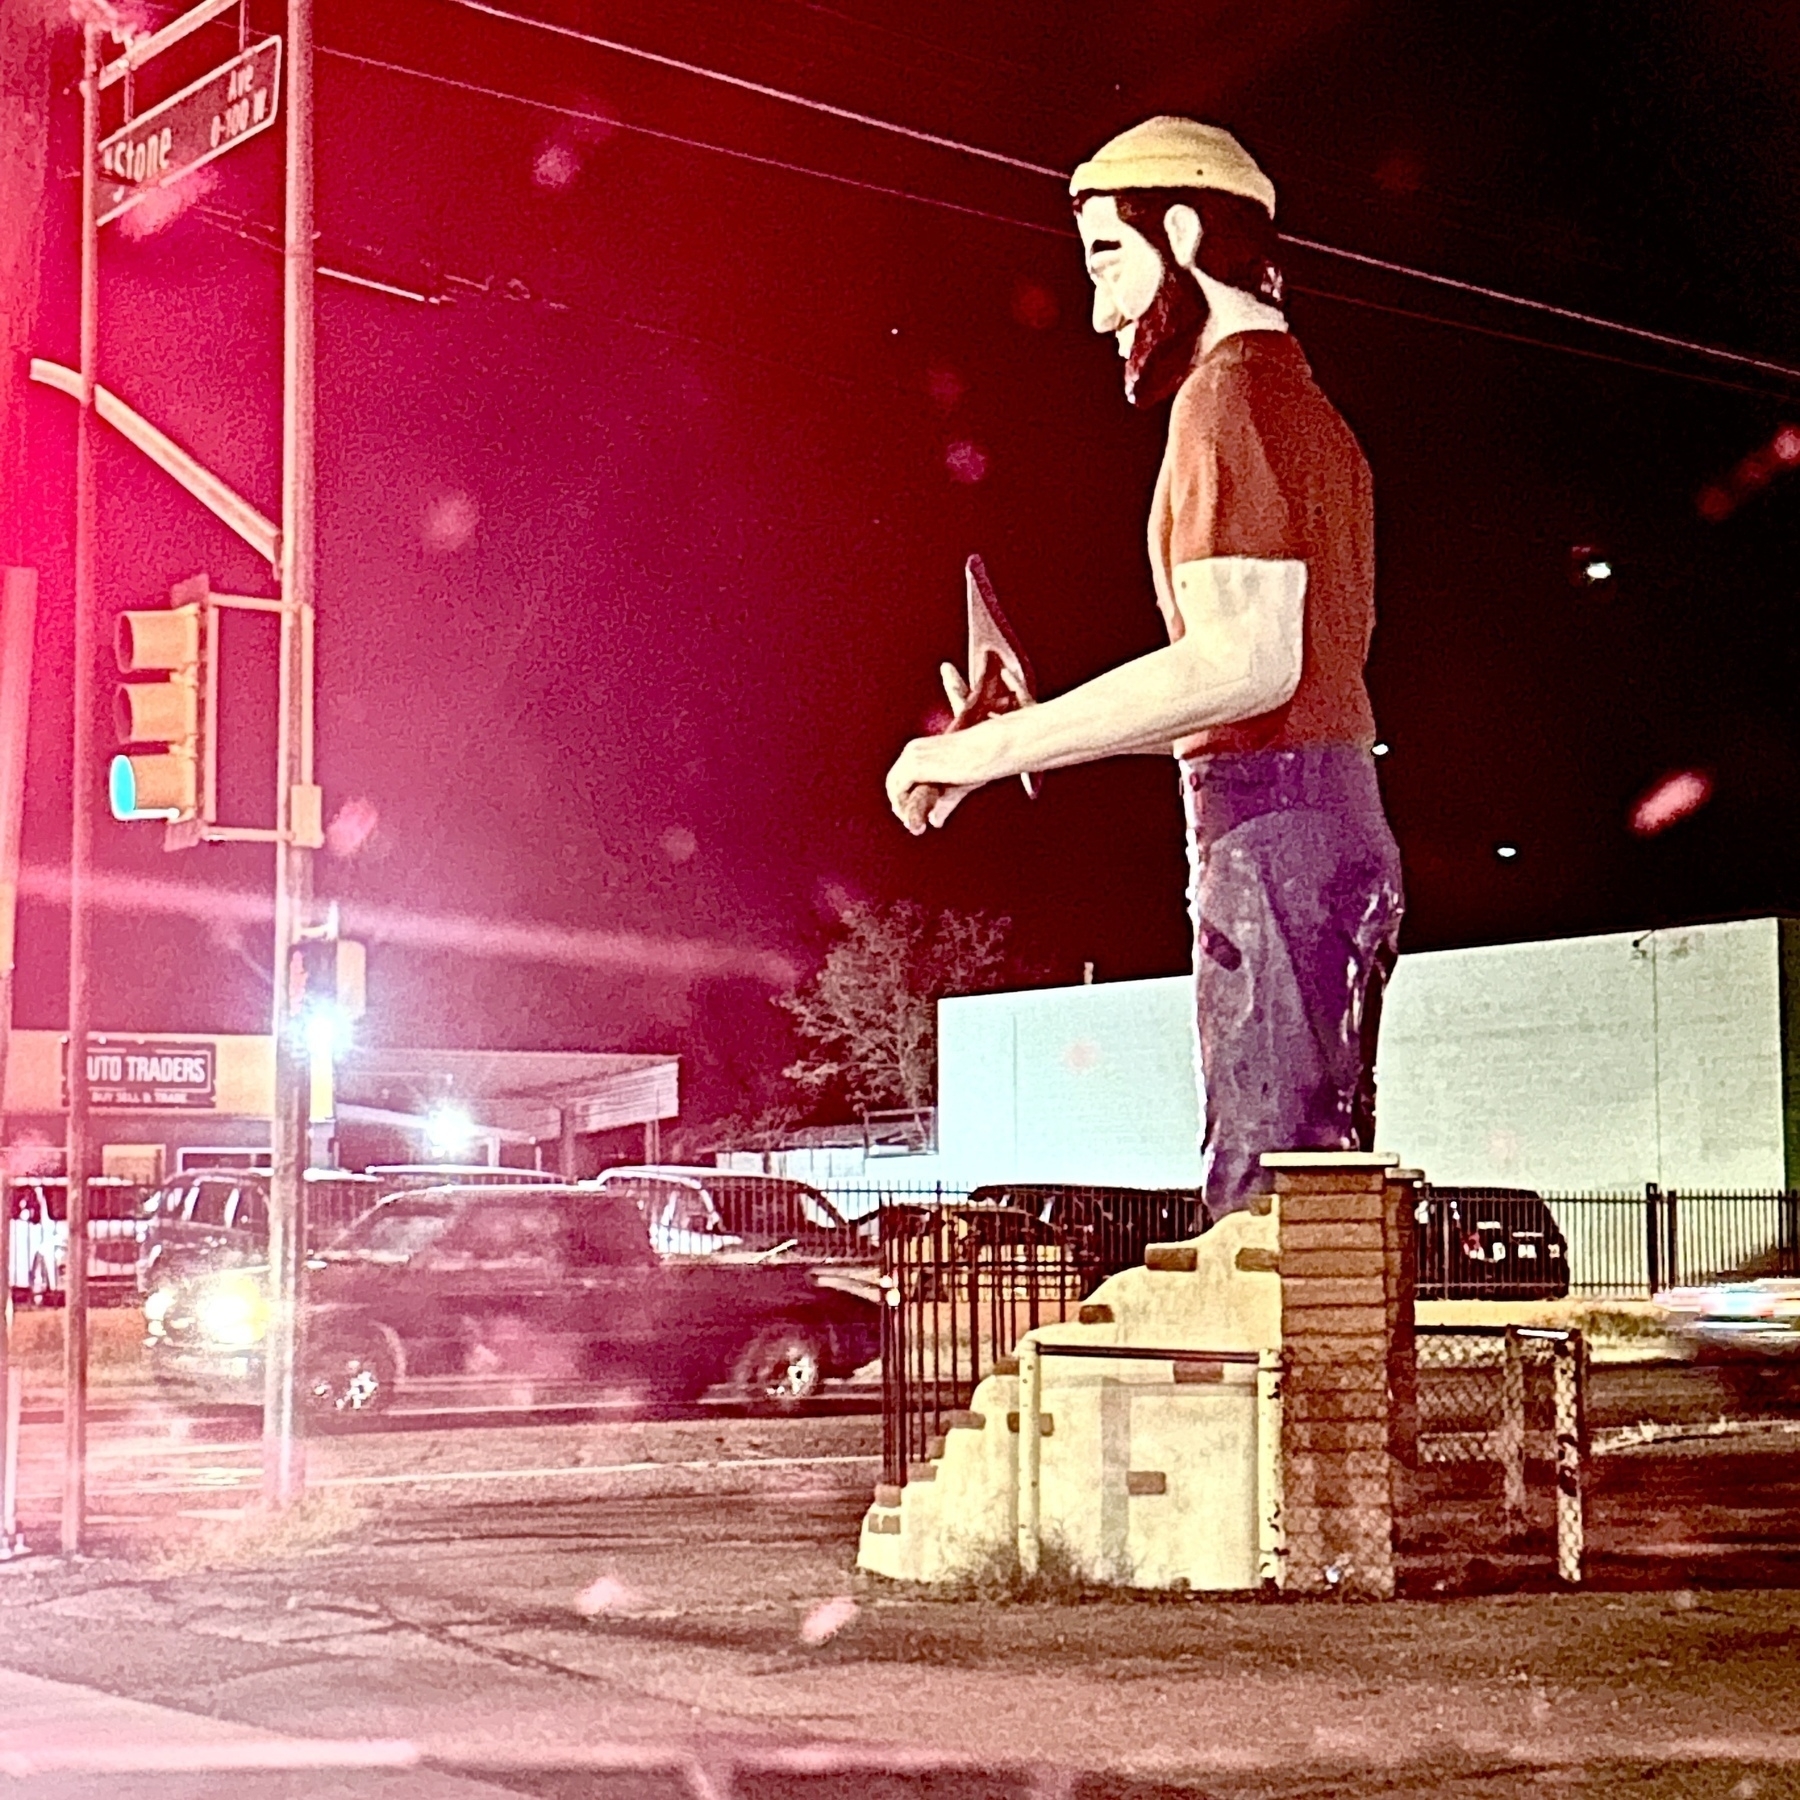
{"x": 1262, "y": 553}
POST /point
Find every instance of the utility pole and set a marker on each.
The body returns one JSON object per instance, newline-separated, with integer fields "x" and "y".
{"x": 18, "y": 622}
{"x": 24, "y": 164}
{"x": 297, "y": 800}
{"x": 81, "y": 823}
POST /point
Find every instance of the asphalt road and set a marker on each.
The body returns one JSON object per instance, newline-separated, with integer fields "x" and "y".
{"x": 156, "y": 1460}
{"x": 1719, "y": 1457}
{"x": 418, "y": 1643}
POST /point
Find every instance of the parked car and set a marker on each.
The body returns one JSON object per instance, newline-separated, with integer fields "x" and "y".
{"x": 396, "y": 1176}
{"x": 941, "y": 1252}
{"x": 552, "y": 1284}
{"x": 219, "y": 1218}
{"x": 1489, "y": 1243}
{"x": 700, "y": 1212}
{"x": 1105, "y": 1228}
{"x": 39, "y": 1209}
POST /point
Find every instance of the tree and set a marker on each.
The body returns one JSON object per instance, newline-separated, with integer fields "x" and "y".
{"x": 869, "y": 1013}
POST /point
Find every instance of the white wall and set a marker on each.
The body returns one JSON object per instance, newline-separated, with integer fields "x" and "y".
{"x": 1599, "y": 1062}
{"x": 1071, "y": 1084}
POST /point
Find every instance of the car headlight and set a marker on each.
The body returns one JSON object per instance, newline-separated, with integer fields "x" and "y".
{"x": 231, "y": 1311}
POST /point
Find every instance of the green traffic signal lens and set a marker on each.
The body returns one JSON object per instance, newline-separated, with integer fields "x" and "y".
{"x": 151, "y": 786}
{"x": 121, "y": 786}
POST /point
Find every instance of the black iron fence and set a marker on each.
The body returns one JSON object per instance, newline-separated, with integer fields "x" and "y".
{"x": 1474, "y": 1243}
{"x": 964, "y": 1279}
{"x": 1640, "y": 1243}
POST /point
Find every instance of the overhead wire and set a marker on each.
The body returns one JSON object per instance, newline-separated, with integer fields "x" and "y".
{"x": 1569, "y": 315}
{"x": 744, "y": 85}
{"x": 893, "y": 128}
{"x": 675, "y": 137}
{"x": 1525, "y": 338}
{"x": 1663, "y": 339}
{"x": 887, "y": 191}
{"x": 247, "y": 230}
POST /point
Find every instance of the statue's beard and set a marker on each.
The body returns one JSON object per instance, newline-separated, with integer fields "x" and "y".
{"x": 1162, "y": 347}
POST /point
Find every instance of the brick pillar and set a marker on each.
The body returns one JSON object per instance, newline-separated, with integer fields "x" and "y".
{"x": 1337, "y": 1221}
{"x": 1402, "y": 1270}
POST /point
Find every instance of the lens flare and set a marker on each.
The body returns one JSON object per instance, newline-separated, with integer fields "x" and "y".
{"x": 352, "y": 827}
{"x": 158, "y": 210}
{"x": 1718, "y": 500}
{"x": 1034, "y": 306}
{"x": 465, "y": 934}
{"x": 449, "y": 522}
{"x": 967, "y": 462}
{"x": 1671, "y": 800}
{"x": 606, "y": 1595}
{"x": 827, "y": 1619}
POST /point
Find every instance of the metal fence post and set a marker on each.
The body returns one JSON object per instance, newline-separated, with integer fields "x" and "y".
{"x": 1031, "y": 1455}
{"x": 1570, "y": 1372}
{"x": 1510, "y": 1436}
{"x": 1652, "y": 1236}
{"x": 11, "y": 1542}
{"x": 9, "y": 1460}
{"x": 1271, "y": 1528}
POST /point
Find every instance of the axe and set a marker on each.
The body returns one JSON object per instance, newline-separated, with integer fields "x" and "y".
{"x": 994, "y": 654}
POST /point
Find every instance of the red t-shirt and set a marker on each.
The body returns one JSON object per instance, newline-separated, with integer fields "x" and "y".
{"x": 1260, "y": 463}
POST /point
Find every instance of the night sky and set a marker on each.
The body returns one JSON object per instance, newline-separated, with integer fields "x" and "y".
{"x": 639, "y": 549}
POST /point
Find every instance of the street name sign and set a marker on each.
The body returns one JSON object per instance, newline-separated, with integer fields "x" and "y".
{"x": 207, "y": 118}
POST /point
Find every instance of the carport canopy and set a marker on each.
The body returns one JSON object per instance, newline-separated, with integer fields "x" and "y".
{"x": 522, "y": 1096}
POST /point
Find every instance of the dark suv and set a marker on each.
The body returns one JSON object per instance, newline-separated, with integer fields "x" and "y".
{"x": 1104, "y": 1228}
{"x": 535, "y": 1288}
{"x": 1489, "y": 1243}
{"x": 219, "y": 1218}
{"x": 701, "y": 1212}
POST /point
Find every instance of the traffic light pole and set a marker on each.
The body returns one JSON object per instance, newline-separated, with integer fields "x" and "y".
{"x": 81, "y": 829}
{"x": 18, "y": 623}
{"x": 284, "y": 1460}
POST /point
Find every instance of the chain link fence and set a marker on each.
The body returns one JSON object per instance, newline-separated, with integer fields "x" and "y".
{"x": 1501, "y": 1453}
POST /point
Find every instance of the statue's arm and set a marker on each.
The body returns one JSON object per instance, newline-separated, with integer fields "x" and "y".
{"x": 1238, "y": 656}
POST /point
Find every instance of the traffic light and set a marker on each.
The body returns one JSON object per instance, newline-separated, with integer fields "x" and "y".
{"x": 160, "y": 717}
{"x": 329, "y": 975}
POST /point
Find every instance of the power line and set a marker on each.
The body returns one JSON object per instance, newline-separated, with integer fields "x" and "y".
{"x": 1535, "y": 343}
{"x": 1661, "y": 338}
{"x": 259, "y": 236}
{"x": 675, "y": 137}
{"x": 998, "y": 218}
{"x": 1664, "y": 340}
{"x": 756, "y": 87}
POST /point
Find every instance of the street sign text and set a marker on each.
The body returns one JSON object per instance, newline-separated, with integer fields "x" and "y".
{"x": 236, "y": 101}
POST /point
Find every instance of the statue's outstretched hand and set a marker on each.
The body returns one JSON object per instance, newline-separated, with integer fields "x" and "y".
{"x": 921, "y": 786}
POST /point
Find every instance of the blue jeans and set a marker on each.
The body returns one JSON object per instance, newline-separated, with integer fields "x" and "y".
{"x": 1296, "y": 901}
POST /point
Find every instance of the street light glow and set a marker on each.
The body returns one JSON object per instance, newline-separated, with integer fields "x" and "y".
{"x": 328, "y": 1032}
{"x": 448, "y": 1131}
{"x": 1506, "y": 852}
